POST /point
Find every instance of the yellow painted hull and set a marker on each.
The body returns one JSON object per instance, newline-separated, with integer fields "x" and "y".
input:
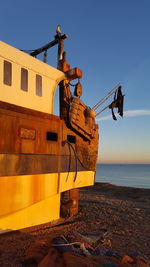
{"x": 30, "y": 200}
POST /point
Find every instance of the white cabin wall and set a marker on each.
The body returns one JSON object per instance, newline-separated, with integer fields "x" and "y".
{"x": 28, "y": 99}
{"x": 14, "y": 95}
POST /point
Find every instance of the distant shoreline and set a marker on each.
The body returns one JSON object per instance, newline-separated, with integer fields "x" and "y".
{"x": 123, "y": 163}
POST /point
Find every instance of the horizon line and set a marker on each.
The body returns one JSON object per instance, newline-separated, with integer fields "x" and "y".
{"x": 117, "y": 163}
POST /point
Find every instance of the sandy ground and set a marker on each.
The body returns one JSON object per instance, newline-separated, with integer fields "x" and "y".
{"x": 124, "y": 211}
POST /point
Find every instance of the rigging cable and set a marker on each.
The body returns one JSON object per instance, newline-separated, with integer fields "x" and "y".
{"x": 76, "y": 160}
{"x": 102, "y": 110}
{"x": 69, "y": 167}
{"x": 99, "y": 103}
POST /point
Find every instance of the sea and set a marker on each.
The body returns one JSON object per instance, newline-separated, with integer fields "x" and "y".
{"x": 132, "y": 175}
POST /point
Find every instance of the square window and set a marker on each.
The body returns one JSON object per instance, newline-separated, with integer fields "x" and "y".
{"x": 51, "y": 136}
{"x": 71, "y": 139}
{"x": 38, "y": 85}
{"x": 7, "y": 79}
{"x": 24, "y": 79}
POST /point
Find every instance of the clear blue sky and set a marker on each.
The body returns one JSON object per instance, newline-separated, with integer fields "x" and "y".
{"x": 110, "y": 41}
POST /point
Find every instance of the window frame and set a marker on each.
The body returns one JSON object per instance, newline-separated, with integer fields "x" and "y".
{"x": 7, "y": 73}
{"x": 38, "y": 85}
{"x": 24, "y": 80}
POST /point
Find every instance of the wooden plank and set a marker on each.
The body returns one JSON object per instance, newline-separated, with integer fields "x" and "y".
{"x": 28, "y": 164}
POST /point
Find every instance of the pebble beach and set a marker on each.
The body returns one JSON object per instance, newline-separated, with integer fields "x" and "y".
{"x": 123, "y": 211}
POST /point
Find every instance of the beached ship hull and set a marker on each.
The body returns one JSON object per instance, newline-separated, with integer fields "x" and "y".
{"x": 41, "y": 155}
{"x": 36, "y": 166}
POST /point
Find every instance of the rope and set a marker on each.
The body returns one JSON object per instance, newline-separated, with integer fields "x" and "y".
{"x": 74, "y": 84}
{"x": 101, "y": 111}
{"x": 68, "y": 244}
{"x": 69, "y": 167}
{"x": 76, "y": 159}
{"x": 99, "y": 103}
{"x": 45, "y": 56}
